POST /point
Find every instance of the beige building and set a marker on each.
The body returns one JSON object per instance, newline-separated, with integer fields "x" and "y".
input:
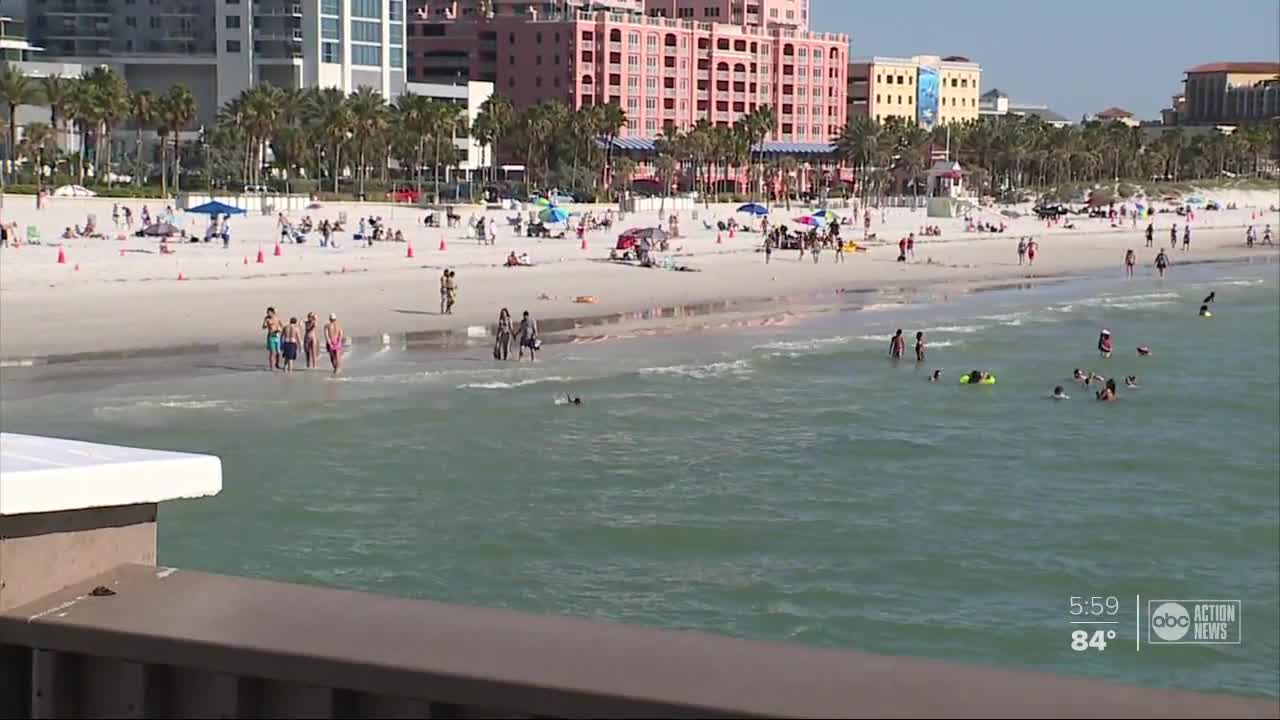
{"x": 925, "y": 89}
{"x": 1230, "y": 93}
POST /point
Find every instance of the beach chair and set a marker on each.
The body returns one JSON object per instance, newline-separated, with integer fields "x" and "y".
{"x": 33, "y": 235}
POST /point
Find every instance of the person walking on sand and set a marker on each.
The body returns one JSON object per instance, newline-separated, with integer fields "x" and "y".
{"x": 290, "y": 342}
{"x": 1022, "y": 250}
{"x": 1249, "y": 236}
{"x": 528, "y": 333}
{"x": 450, "y": 291}
{"x": 271, "y": 324}
{"x": 1186, "y": 238}
{"x": 920, "y": 347}
{"x": 444, "y": 290}
{"x": 839, "y": 250}
{"x": 1151, "y": 233}
{"x": 333, "y": 342}
{"x": 310, "y": 343}
{"x": 768, "y": 249}
{"x": 1162, "y": 262}
{"x": 1266, "y": 235}
{"x": 502, "y": 338}
{"x": 814, "y": 248}
{"x": 1130, "y": 259}
{"x": 128, "y": 217}
{"x": 911, "y": 245}
{"x": 1173, "y": 237}
{"x": 897, "y": 345}
{"x": 115, "y": 215}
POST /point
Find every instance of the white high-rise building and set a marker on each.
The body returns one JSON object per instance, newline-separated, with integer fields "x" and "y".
{"x": 217, "y": 48}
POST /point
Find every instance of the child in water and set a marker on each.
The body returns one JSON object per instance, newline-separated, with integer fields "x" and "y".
{"x": 936, "y": 376}
{"x": 1131, "y": 381}
{"x": 1204, "y": 311}
{"x": 1060, "y": 394}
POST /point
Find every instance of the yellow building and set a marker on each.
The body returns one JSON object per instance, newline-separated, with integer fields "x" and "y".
{"x": 925, "y": 89}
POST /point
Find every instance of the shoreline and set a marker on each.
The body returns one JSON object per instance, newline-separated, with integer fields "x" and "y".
{"x": 109, "y": 303}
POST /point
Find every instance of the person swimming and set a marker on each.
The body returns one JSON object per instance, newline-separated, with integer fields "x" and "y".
{"x": 1204, "y": 311}
{"x": 977, "y": 376}
{"x": 936, "y": 376}
{"x": 1079, "y": 376}
{"x": 1211, "y": 298}
{"x": 1131, "y": 381}
{"x": 570, "y": 400}
{"x": 1108, "y": 393}
{"x": 1143, "y": 350}
{"x": 1059, "y": 394}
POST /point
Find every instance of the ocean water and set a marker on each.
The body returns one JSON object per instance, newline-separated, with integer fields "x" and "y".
{"x": 780, "y": 481}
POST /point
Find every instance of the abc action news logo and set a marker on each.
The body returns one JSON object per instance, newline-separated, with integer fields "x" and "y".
{"x": 1194, "y": 622}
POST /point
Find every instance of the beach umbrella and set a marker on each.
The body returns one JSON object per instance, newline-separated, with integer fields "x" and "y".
{"x": 828, "y": 216}
{"x": 651, "y": 233}
{"x": 554, "y": 214}
{"x": 810, "y": 220}
{"x": 754, "y": 209}
{"x": 161, "y": 229}
{"x": 216, "y": 208}
{"x": 541, "y": 202}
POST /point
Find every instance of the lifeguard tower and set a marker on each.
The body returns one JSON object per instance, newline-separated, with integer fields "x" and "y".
{"x": 948, "y": 196}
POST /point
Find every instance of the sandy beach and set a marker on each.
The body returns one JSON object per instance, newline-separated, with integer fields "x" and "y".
{"x": 114, "y": 295}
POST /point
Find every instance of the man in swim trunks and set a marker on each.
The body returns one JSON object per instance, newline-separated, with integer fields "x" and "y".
{"x": 919, "y": 347}
{"x": 1151, "y": 232}
{"x": 271, "y": 324}
{"x": 897, "y": 345}
{"x": 1104, "y": 343}
{"x": 290, "y": 339}
{"x": 1162, "y": 262}
{"x": 333, "y": 342}
{"x": 528, "y": 333}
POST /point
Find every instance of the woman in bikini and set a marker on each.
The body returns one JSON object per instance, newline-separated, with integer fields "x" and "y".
{"x": 310, "y": 345}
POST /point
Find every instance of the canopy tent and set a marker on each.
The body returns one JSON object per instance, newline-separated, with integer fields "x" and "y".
{"x": 214, "y": 207}
{"x": 74, "y": 191}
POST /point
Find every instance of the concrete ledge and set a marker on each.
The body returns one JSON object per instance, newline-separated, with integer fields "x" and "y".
{"x": 42, "y": 474}
{"x": 537, "y": 665}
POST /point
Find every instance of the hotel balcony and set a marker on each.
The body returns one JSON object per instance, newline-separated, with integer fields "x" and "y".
{"x": 90, "y": 626}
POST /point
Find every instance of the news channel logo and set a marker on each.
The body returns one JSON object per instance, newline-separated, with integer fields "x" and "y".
{"x": 1194, "y": 622}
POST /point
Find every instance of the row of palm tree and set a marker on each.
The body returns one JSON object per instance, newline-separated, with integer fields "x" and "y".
{"x": 94, "y": 106}
{"x": 1024, "y": 153}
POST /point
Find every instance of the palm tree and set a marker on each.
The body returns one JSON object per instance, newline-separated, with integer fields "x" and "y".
{"x": 622, "y": 171}
{"x": 143, "y": 107}
{"x": 411, "y": 113}
{"x": 441, "y": 122}
{"x": 57, "y": 91}
{"x": 496, "y": 120}
{"x": 178, "y": 108}
{"x": 15, "y": 89}
{"x": 856, "y": 146}
{"x": 37, "y": 140}
{"x": 260, "y": 116}
{"x": 330, "y": 120}
{"x": 756, "y": 126}
{"x": 368, "y": 118}
{"x": 610, "y": 119}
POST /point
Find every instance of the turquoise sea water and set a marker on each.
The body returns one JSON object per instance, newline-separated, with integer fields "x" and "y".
{"x": 782, "y": 482}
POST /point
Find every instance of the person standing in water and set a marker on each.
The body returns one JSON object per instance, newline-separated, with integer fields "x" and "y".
{"x": 444, "y": 290}
{"x": 528, "y": 333}
{"x": 1108, "y": 392}
{"x": 897, "y": 345}
{"x": 1151, "y": 233}
{"x": 310, "y": 344}
{"x": 1032, "y": 247}
{"x": 292, "y": 338}
{"x": 502, "y": 341}
{"x": 1266, "y": 235}
{"x": 1104, "y": 343}
{"x": 333, "y": 342}
{"x": 450, "y": 291}
{"x": 271, "y": 324}
{"x": 1162, "y": 262}
{"x": 1130, "y": 259}
{"x": 919, "y": 347}
{"x": 1022, "y": 250}
{"x": 1186, "y": 238}
{"x": 1249, "y": 236}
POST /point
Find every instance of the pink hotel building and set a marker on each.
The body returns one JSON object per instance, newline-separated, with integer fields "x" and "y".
{"x": 667, "y": 63}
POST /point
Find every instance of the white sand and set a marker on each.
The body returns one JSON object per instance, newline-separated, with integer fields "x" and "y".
{"x": 103, "y": 301}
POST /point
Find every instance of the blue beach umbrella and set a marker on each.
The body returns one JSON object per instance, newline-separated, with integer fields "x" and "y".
{"x": 828, "y": 216}
{"x": 754, "y": 209}
{"x": 216, "y": 208}
{"x": 554, "y": 215}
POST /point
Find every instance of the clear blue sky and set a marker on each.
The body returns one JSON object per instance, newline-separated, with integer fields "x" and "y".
{"x": 1078, "y": 56}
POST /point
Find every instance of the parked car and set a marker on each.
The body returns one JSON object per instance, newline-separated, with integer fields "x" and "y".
{"x": 1045, "y": 212}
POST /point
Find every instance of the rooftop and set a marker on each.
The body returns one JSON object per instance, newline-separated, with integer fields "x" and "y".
{"x": 1114, "y": 113}
{"x": 1237, "y": 67}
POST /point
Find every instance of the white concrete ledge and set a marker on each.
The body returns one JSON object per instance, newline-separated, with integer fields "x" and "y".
{"x": 43, "y": 474}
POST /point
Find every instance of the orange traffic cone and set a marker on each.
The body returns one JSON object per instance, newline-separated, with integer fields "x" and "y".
{"x": 277, "y": 253}
{"x": 584, "y": 242}
{"x": 62, "y": 257}
{"x": 718, "y": 240}
{"x": 261, "y": 259}
{"x": 409, "y": 252}
{"x": 443, "y": 247}
{"x": 181, "y": 277}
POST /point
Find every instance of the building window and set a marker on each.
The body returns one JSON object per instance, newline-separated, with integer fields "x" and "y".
{"x": 511, "y": 59}
{"x": 396, "y": 33}
{"x": 650, "y": 103}
{"x": 396, "y": 10}
{"x": 397, "y": 56}
{"x": 964, "y": 83}
{"x": 538, "y": 81}
{"x": 329, "y": 29}
{"x": 329, "y": 53}
{"x": 370, "y": 55}
{"x": 633, "y": 104}
{"x": 327, "y": 7}
{"x": 155, "y": 23}
{"x": 633, "y": 61}
{"x": 878, "y": 79}
{"x": 366, "y": 8}
{"x": 652, "y": 41}
{"x": 877, "y": 97}
{"x": 633, "y": 82}
{"x": 364, "y": 31}
{"x": 650, "y": 125}
{"x": 633, "y": 38}
{"x": 538, "y": 38}
{"x": 233, "y": 46}
{"x": 131, "y": 21}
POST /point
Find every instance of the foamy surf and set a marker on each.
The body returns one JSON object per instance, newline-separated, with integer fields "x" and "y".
{"x": 501, "y": 385}
{"x": 701, "y": 372}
